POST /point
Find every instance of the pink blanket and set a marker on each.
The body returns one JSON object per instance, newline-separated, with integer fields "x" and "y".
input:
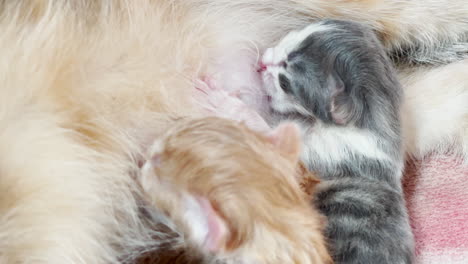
{"x": 437, "y": 197}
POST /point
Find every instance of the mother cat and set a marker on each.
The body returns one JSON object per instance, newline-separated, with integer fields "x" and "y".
{"x": 83, "y": 84}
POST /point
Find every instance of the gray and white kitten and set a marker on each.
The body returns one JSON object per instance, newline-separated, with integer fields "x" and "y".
{"x": 336, "y": 81}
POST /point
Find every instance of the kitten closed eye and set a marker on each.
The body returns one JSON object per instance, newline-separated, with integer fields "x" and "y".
{"x": 285, "y": 84}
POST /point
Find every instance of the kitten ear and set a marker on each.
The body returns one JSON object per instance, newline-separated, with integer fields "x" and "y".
{"x": 207, "y": 228}
{"x": 340, "y": 103}
{"x": 149, "y": 181}
{"x": 286, "y": 138}
{"x": 148, "y": 178}
{"x": 213, "y": 225}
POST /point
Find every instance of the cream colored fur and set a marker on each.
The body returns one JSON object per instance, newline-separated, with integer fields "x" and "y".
{"x": 435, "y": 112}
{"x": 85, "y": 85}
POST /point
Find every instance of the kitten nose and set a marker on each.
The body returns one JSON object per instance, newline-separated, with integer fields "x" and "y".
{"x": 262, "y": 67}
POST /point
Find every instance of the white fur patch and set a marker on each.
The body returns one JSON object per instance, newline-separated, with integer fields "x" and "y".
{"x": 291, "y": 41}
{"x": 330, "y": 143}
{"x": 195, "y": 219}
{"x": 156, "y": 148}
{"x": 148, "y": 179}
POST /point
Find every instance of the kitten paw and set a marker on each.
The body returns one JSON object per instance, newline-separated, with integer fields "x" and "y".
{"x": 209, "y": 97}
{"x": 219, "y": 102}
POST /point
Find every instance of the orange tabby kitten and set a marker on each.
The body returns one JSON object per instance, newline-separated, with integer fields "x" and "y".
{"x": 234, "y": 192}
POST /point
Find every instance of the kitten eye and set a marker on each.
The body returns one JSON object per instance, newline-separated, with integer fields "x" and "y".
{"x": 283, "y": 64}
{"x": 285, "y": 84}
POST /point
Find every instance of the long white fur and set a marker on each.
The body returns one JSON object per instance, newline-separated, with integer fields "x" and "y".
{"x": 65, "y": 200}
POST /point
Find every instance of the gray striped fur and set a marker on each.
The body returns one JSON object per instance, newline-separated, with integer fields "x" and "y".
{"x": 358, "y": 151}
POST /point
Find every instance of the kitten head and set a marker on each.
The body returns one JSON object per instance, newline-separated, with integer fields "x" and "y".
{"x": 235, "y": 193}
{"x": 317, "y": 71}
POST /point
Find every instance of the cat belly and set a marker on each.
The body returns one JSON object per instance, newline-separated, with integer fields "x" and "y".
{"x": 237, "y": 72}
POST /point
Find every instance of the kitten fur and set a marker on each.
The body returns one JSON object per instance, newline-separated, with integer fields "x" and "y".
{"x": 336, "y": 74}
{"x": 86, "y": 85}
{"x": 265, "y": 216}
